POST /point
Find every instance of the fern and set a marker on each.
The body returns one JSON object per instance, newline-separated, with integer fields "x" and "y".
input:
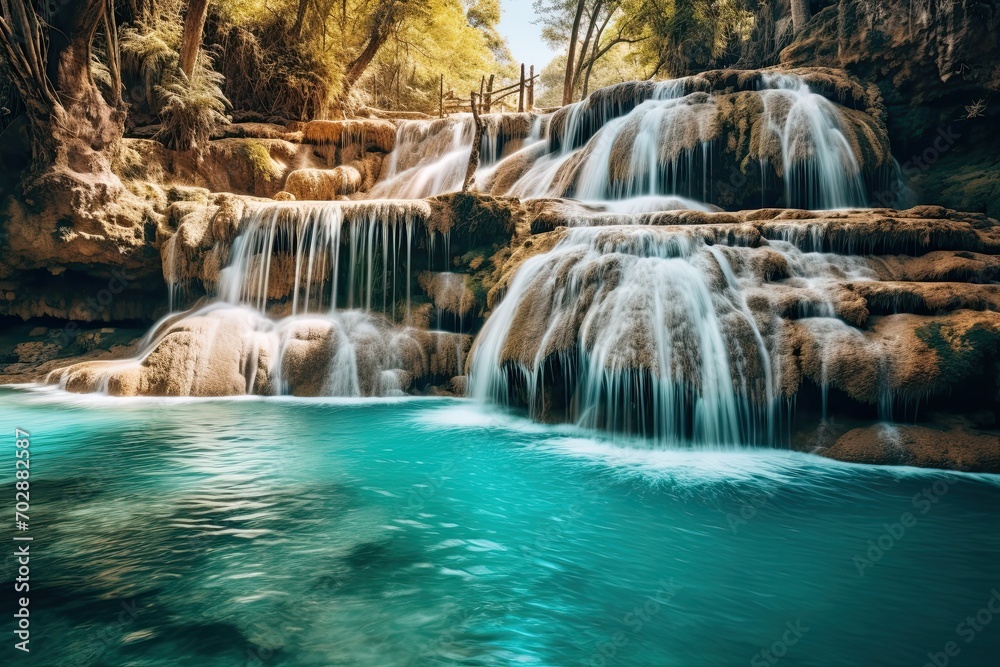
{"x": 147, "y": 54}
{"x": 192, "y": 109}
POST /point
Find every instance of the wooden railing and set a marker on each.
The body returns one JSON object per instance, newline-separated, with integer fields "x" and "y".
{"x": 488, "y": 97}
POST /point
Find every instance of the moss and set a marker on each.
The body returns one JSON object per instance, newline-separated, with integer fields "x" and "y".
{"x": 976, "y": 191}
{"x": 476, "y": 222}
{"x": 258, "y": 157}
{"x": 479, "y": 290}
{"x": 966, "y": 178}
{"x": 960, "y": 354}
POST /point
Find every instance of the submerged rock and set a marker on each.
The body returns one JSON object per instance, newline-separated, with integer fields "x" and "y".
{"x": 885, "y": 444}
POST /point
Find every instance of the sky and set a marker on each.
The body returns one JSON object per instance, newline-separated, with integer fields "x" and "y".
{"x": 524, "y": 37}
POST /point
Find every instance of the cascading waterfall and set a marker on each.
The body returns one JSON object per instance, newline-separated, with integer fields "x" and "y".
{"x": 379, "y": 238}
{"x": 627, "y": 156}
{"x": 432, "y": 158}
{"x": 646, "y": 145}
{"x": 307, "y": 303}
{"x": 674, "y": 331}
{"x": 820, "y": 168}
{"x": 649, "y": 330}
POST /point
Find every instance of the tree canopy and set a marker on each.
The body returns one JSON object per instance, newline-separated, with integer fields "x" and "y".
{"x": 385, "y": 53}
{"x": 608, "y": 41}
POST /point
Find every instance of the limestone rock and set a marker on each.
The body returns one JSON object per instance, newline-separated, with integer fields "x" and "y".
{"x": 323, "y": 184}
{"x": 956, "y": 448}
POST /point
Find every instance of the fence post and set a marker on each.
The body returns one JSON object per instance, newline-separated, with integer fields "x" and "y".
{"x": 520, "y": 96}
{"x": 441, "y": 104}
{"x": 489, "y": 94}
{"x": 531, "y": 89}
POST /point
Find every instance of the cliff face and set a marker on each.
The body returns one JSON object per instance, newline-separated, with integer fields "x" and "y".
{"x": 936, "y": 66}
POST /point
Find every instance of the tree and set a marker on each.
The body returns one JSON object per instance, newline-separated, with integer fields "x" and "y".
{"x": 452, "y": 38}
{"x": 627, "y": 30}
{"x": 381, "y": 25}
{"x": 484, "y": 16}
{"x": 300, "y": 18}
{"x": 49, "y": 58}
{"x": 570, "y": 59}
{"x": 603, "y": 25}
{"x": 194, "y": 25}
{"x": 687, "y": 36}
{"x": 310, "y": 58}
{"x": 800, "y": 15}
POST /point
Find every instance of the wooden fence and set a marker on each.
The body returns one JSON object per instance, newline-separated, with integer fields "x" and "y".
{"x": 488, "y": 98}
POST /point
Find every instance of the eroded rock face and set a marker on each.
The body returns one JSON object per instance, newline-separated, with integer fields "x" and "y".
{"x": 323, "y": 184}
{"x": 935, "y": 66}
{"x": 79, "y": 249}
{"x": 313, "y": 299}
{"x": 452, "y": 233}
{"x": 920, "y": 52}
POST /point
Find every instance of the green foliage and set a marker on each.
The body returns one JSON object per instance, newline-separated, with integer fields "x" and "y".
{"x": 274, "y": 76}
{"x": 638, "y": 39}
{"x": 695, "y": 35}
{"x": 441, "y": 37}
{"x": 607, "y": 36}
{"x": 192, "y": 108}
{"x": 484, "y": 15}
{"x": 255, "y": 154}
{"x": 617, "y": 66}
{"x": 189, "y": 110}
{"x": 147, "y": 53}
{"x": 280, "y": 60}
{"x": 284, "y": 66}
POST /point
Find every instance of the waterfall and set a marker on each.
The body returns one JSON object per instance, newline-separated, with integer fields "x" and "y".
{"x": 295, "y": 249}
{"x": 643, "y": 140}
{"x": 307, "y": 303}
{"x": 678, "y": 141}
{"x": 432, "y": 157}
{"x": 642, "y": 317}
{"x": 650, "y": 330}
{"x": 820, "y": 168}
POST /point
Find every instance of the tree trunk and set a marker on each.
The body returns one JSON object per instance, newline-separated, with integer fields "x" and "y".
{"x": 596, "y": 53}
{"x": 571, "y": 56}
{"x": 800, "y": 15}
{"x": 586, "y": 78}
{"x": 383, "y": 21}
{"x": 300, "y": 18}
{"x": 72, "y": 209}
{"x": 194, "y": 24}
{"x": 71, "y": 124}
{"x": 591, "y": 26}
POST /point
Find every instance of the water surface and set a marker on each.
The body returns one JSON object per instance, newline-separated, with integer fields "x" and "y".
{"x": 432, "y": 532}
